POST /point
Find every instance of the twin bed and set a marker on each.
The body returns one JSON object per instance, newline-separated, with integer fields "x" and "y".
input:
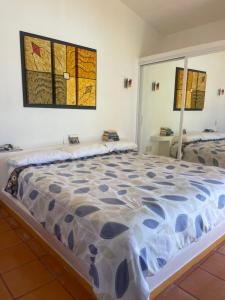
{"x": 207, "y": 148}
{"x": 126, "y": 221}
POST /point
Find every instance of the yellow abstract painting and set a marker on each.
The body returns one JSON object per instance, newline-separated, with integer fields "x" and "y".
{"x": 57, "y": 74}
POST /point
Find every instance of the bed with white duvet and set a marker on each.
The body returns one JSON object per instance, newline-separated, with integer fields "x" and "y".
{"x": 124, "y": 215}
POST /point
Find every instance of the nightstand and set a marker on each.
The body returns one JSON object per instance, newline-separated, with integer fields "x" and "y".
{"x": 161, "y": 145}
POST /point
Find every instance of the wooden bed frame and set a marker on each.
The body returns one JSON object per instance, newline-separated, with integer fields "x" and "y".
{"x": 86, "y": 285}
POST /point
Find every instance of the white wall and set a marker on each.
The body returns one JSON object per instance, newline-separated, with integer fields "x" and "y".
{"x": 109, "y": 26}
{"x": 157, "y": 107}
{"x": 208, "y": 33}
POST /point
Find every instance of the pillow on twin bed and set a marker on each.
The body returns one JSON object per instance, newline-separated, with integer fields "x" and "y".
{"x": 199, "y": 136}
{"x": 64, "y": 152}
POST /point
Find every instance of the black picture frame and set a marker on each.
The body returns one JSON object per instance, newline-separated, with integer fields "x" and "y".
{"x": 26, "y": 103}
{"x": 178, "y": 69}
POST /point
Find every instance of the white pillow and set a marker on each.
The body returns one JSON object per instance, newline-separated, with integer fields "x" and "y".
{"x": 120, "y": 146}
{"x": 85, "y": 149}
{"x": 38, "y": 157}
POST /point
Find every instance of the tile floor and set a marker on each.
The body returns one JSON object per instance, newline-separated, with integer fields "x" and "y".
{"x": 29, "y": 272}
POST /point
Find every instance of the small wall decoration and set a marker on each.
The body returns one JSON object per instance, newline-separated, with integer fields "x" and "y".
{"x": 57, "y": 74}
{"x": 128, "y": 83}
{"x": 196, "y": 87}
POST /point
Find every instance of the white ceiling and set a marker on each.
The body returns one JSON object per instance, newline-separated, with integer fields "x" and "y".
{"x": 170, "y": 16}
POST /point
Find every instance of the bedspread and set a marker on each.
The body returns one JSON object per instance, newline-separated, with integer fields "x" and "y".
{"x": 125, "y": 214}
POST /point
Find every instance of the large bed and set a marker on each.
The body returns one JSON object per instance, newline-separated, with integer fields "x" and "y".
{"x": 125, "y": 218}
{"x": 207, "y": 148}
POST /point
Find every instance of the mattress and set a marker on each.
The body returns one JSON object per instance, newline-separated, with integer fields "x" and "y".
{"x": 125, "y": 215}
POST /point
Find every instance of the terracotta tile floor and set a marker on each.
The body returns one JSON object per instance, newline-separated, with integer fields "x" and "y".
{"x": 29, "y": 272}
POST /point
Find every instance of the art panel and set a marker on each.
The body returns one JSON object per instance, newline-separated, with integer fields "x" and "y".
{"x": 57, "y": 74}
{"x": 195, "y": 93}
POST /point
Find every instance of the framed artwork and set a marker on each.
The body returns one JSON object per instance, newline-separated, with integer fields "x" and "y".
{"x": 57, "y": 74}
{"x": 196, "y": 87}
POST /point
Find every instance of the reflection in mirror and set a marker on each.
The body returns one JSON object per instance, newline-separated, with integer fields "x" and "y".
{"x": 204, "y": 138}
{"x": 159, "y": 122}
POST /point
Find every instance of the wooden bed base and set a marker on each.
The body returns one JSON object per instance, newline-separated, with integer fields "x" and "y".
{"x": 84, "y": 283}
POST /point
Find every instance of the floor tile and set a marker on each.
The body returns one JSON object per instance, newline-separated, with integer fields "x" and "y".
{"x": 52, "y": 265}
{"x": 204, "y": 286}
{"x": 36, "y": 247}
{"x": 52, "y": 290}
{"x": 9, "y": 239}
{"x": 23, "y": 235}
{"x": 215, "y": 264}
{"x": 14, "y": 257}
{"x": 4, "y": 226}
{"x": 12, "y": 222}
{"x": 221, "y": 250}
{"x": 4, "y": 294}
{"x": 22, "y": 280}
{"x": 174, "y": 293}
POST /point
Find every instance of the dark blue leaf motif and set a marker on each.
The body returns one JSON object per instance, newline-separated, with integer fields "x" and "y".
{"x": 201, "y": 160}
{"x": 80, "y": 181}
{"x": 175, "y": 197}
{"x": 156, "y": 208}
{"x": 148, "y": 187}
{"x": 122, "y": 192}
{"x": 221, "y": 202}
{"x": 123, "y": 185}
{"x": 33, "y": 195}
{"x": 127, "y": 170}
{"x": 103, "y": 187}
{"x": 112, "y": 229}
{"x": 150, "y": 223}
{"x": 122, "y": 279}
{"x": 181, "y": 223}
{"x": 201, "y": 188}
{"x": 170, "y": 167}
{"x": 83, "y": 190}
{"x": 169, "y": 177}
{"x": 143, "y": 260}
{"x": 114, "y": 201}
{"x": 161, "y": 262}
{"x": 112, "y": 165}
{"x": 51, "y": 205}
{"x": 57, "y": 231}
{"x": 201, "y": 197}
{"x": 151, "y": 174}
{"x": 110, "y": 174}
{"x": 133, "y": 176}
{"x": 164, "y": 183}
{"x": 93, "y": 249}
{"x": 213, "y": 181}
{"x": 199, "y": 226}
{"x": 93, "y": 272}
{"x": 69, "y": 218}
{"x": 85, "y": 210}
{"x": 54, "y": 188}
{"x": 149, "y": 199}
{"x": 71, "y": 240}
{"x": 215, "y": 162}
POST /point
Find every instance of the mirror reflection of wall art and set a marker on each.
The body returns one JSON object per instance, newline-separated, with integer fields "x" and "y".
{"x": 196, "y": 87}
{"x": 57, "y": 74}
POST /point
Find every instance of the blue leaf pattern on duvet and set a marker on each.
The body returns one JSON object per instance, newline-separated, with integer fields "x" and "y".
{"x": 199, "y": 226}
{"x": 71, "y": 240}
{"x": 201, "y": 188}
{"x": 151, "y": 223}
{"x": 181, "y": 223}
{"x": 85, "y": 210}
{"x": 156, "y": 208}
{"x": 221, "y": 202}
{"x": 112, "y": 229}
{"x": 93, "y": 272}
{"x": 175, "y": 197}
{"x": 122, "y": 279}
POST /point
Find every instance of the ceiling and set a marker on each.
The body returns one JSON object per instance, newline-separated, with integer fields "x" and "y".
{"x": 170, "y": 16}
